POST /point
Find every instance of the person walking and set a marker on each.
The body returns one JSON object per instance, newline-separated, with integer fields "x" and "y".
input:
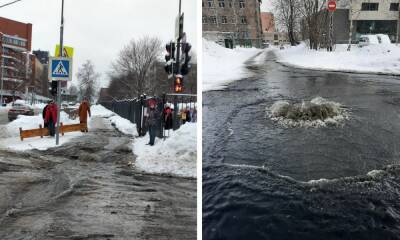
{"x": 153, "y": 116}
{"x": 50, "y": 118}
{"x": 84, "y": 110}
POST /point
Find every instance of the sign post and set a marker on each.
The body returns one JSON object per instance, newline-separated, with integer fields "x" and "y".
{"x": 331, "y": 9}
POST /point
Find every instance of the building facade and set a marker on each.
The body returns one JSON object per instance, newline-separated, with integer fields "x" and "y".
{"x": 232, "y": 22}
{"x": 43, "y": 58}
{"x": 372, "y": 17}
{"x": 16, "y": 61}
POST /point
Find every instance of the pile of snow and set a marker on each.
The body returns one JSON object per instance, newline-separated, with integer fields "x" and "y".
{"x": 319, "y": 112}
{"x": 100, "y": 111}
{"x": 122, "y": 124}
{"x": 175, "y": 155}
{"x": 375, "y": 58}
{"x": 223, "y": 65}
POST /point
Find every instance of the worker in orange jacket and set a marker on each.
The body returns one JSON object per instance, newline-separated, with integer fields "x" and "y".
{"x": 84, "y": 110}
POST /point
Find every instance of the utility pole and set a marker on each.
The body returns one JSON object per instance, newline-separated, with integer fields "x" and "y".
{"x": 178, "y": 51}
{"x": 59, "y": 82}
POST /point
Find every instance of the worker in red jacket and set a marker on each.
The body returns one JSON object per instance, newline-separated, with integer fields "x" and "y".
{"x": 51, "y": 117}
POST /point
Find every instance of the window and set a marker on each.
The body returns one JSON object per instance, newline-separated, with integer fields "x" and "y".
{"x": 241, "y": 4}
{"x": 394, "y": 6}
{"x": 276, "y": 37}
{"x": 369, "y": 6}
{"x": 210, "y": 3}
{"x": 213, "y": 19}
{"x": 243, "y": 20}
{"x": 221, "y": 3}
{"x": 204, "y": 19}
{"x": 202, "y": 3}
{"x": 233, "y": 20}
{"x": 224, "y": 19}
{"x": 230, "y": 4}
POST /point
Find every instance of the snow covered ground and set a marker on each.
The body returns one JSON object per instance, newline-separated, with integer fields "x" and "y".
{"x": 375, "y": 58}
{"x": 175, "y": 155}
{"x": 122, "y": 124}
{"x": 9, "y": 133}
{"x": 222, "y": 65}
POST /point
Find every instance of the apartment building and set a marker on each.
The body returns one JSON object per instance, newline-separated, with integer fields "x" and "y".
{"x": 232, "y": 22}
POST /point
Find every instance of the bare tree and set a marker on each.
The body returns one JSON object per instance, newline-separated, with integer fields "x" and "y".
{"x": 136, "y": 64}
{"x": 287, "y": 12}
{"x": 87, "y": 77}
{"x": 314, "y": 21}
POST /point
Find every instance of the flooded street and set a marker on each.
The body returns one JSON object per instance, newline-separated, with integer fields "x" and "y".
{"x": 263, "y": 180}
{"x": 87, "y": 189}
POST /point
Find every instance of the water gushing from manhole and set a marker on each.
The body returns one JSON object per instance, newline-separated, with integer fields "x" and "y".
{"x": 318, "y": 112}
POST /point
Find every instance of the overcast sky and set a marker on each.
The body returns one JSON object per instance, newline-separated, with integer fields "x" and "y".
{"x": 266, "y": 6}
{"x": 98, "y": 29}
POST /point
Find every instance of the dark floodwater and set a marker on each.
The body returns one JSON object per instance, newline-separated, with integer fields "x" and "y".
{"x": 256, "y": 174}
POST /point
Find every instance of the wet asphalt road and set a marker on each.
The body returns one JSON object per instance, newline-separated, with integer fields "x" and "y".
{"x": 87, "y": 190}
{"x": 259, "y": 177}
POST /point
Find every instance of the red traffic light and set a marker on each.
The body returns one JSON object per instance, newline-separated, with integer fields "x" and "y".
{"x": 178, "y": 85}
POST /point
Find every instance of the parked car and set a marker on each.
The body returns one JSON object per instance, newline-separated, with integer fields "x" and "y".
{"x": 19, "y": 109}
{"x": 373, "y": 39}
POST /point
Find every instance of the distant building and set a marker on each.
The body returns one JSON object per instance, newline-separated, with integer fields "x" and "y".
{"x": 16, "y": 62}
{"x": 362, "y": 17}
{"x": 375, "y": 17}
{"x": 42, "y": 56}
{"x": 270, "y": 35}
{"x": 232, "y": 22}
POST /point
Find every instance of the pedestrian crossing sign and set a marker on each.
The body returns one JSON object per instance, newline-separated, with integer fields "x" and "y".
{"x": 60, "y": 69}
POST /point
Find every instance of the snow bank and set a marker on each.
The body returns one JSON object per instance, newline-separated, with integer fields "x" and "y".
{"x": 123, "y": 125}
{"x": 222, "y": 65}
{"x": 377, "y": 58}
{"x": 176, "y": 155}
{"x": 100, "y": 111}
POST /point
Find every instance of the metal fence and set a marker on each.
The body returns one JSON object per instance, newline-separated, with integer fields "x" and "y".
{"x": 134, "y": 110}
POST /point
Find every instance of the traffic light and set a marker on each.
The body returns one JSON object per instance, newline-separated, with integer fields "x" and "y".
{"x": 53, "y": 89}
{"x": 186, "y": 58}
{"x": 169, "y": 57}
{"x": 178, "y": 85}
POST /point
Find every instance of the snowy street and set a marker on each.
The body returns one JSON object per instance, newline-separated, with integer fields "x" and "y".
{"x": 305, "y": 152}
{"x": 90, "y": 188}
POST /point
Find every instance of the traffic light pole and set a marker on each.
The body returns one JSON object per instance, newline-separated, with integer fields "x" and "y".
{"x": 59, "y": 82}
{"x": 178, "y": 51}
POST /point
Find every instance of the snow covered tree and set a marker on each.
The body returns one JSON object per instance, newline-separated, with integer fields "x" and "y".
{"x": 87, "y": 78}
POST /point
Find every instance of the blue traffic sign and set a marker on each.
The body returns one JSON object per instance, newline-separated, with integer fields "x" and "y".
{"x": 60, "y": 69}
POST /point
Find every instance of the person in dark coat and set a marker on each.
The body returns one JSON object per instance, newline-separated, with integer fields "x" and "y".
{"x": 167, "y": 117}
{"x": 44, "y": 113}
{"x": 51, "y": 117}
{"x": 153, "y": 116}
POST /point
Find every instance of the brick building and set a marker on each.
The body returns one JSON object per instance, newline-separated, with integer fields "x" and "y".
{"x": 17, "y": 64}
{"x": 232, "y": 22}
{"x": 270, "y": 35}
